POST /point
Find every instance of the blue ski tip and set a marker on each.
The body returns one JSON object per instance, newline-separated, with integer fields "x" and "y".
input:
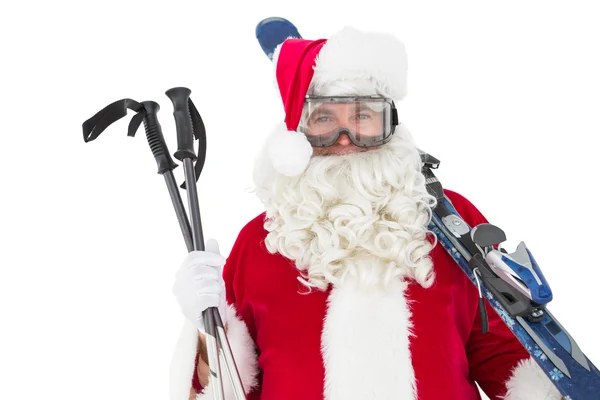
{"x": 272, "y": 31}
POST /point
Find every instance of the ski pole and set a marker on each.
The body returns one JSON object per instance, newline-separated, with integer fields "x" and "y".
{"x": 215, "y": 333}
{"x": 160, "y": 152}
{"x": 147, "y": 112}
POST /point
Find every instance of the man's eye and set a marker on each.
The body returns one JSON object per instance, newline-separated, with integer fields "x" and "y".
{"x": 322, "y": 119}
{"x": 363, "y": 116}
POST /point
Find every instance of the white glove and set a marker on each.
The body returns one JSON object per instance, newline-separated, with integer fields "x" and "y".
{"x": 199, "y": 284}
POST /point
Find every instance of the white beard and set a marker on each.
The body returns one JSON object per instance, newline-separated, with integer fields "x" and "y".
{"x": 360, "y": 217}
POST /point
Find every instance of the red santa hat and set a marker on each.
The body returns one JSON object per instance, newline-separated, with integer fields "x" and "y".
{"x": 349, "y": 55}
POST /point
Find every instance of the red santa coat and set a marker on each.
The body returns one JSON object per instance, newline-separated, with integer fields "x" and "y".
{"x": 348, "y": 343}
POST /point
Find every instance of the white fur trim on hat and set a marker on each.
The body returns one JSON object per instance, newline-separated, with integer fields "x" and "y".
{"x": 353, "y": 55}
{"x": 528, "y": 382}
{"x": 289, "y": 151}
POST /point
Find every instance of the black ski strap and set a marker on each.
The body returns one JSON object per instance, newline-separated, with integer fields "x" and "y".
{"x": 199, "y": 131}
{"x": 93, "y": 127}
{"x": 145, "y": 112}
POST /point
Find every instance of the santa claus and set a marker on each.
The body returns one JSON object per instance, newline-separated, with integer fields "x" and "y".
{"x": 339, "y": 291}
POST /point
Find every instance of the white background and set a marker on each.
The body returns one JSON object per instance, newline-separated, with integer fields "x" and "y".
{"x": 505, "y": 94}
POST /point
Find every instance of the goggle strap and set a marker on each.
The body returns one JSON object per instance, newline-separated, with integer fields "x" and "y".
{"x": 394, "y": 116}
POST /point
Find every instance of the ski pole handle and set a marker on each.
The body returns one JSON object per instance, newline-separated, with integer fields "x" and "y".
{"x": 183, "y": 120}
{"x": 155, "y": 138}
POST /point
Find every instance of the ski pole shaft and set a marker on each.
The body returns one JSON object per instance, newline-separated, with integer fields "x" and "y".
{"x": 214, "y": 363}
{"x": 194, "y": 206}
{"x": 179, "y": 210}
{"x": 166, "y": 165}
{"x": 232, "y": 370}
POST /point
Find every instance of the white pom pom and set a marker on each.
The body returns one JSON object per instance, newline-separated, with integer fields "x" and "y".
{"x": 289, "y": 151}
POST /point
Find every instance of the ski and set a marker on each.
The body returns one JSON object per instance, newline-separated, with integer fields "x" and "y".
{"x": 515, "y": 287}
{"x": 271, "y": 32}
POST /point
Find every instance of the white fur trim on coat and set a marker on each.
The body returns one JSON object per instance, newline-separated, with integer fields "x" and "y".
{"x": 183, "y": 363}
{"x": 183, "y": 368}
{"x": 365, "y": 344}
{"x": 529, "y": 382}
{"x": 289, "y": 151}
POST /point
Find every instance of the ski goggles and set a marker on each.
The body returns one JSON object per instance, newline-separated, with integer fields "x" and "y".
{"x": 367, "y": 120}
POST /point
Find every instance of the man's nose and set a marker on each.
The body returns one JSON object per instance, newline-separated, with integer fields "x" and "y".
{"x": 344, "y": 138}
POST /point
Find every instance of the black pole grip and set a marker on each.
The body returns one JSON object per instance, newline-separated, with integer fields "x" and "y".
{"x": 155, "y": 138}
{"x": 183, "y": 120}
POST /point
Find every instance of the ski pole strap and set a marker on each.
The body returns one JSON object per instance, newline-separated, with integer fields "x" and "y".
{"x": 200, "y": 135}
{"x": 93, "y": 127}
{"x": 482, "y": 311}
{"x": 145, "y": 112}
{"x": 189, "y": 127}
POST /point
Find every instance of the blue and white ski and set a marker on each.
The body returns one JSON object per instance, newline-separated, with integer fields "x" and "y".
{"x": 271, "y": 32}
{"x": 515, "y": 287}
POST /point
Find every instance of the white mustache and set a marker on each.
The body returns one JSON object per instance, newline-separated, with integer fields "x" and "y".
{"x": 363, "y": 215}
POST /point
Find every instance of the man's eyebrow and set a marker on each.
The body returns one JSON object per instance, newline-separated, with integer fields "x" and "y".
{"x": 363, "y": 106}
{"x": 322, "y": 111}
